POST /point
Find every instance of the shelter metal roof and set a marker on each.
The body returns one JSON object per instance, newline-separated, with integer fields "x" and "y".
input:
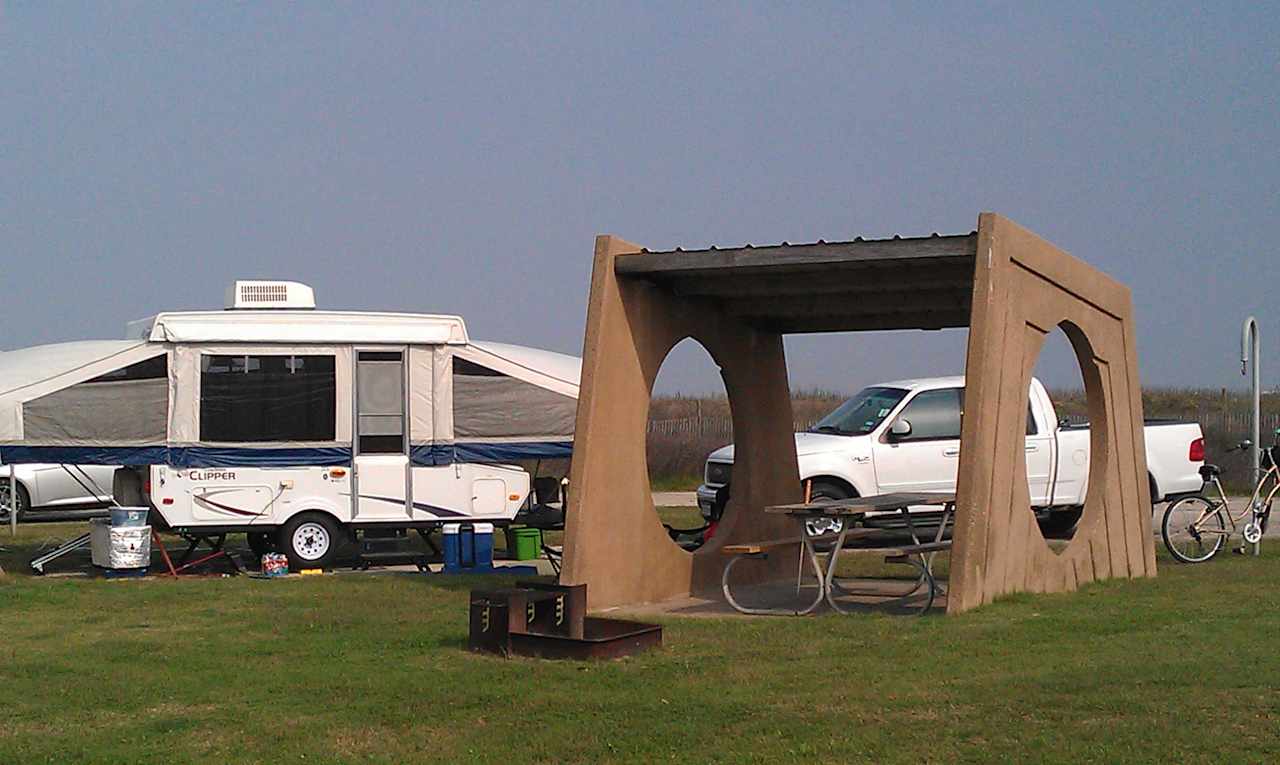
{"x": 900, "y": 283}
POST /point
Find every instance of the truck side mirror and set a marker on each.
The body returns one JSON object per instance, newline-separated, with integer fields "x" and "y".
{"x": 900, "y": 429}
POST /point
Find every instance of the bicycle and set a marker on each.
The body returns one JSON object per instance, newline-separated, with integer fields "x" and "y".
{"x": 1195, "y": 527}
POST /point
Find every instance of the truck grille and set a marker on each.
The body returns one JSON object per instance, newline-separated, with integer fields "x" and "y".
{"x": 718, "y": 473}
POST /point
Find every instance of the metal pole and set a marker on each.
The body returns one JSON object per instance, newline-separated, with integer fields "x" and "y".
{"x": 13, "y": 501}
{"x": 1249, "y": 335}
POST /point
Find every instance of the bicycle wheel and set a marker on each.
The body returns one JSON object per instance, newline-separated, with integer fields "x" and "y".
{"x": 1194, "y": 529}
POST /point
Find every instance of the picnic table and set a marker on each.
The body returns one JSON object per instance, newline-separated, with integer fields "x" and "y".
{"x": 911, "y": 548}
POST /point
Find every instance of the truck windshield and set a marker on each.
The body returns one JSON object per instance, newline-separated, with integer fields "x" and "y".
{"x": 861, "y": 414}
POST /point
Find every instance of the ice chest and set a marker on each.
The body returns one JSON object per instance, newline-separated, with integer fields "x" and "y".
{"x": 526, "y": 543}
{"x": 467, "y": 547}
{"x": 119, "y": 547}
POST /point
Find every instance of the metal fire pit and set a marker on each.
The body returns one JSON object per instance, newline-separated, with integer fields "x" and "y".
{"x": 602, "y": 639}
{"x": 549, "y": 621}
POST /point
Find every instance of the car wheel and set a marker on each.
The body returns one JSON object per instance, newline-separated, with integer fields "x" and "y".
{"x": 24, "y": 500}
{"x": 824, "y": 490}
{"x": 310, "y": 540}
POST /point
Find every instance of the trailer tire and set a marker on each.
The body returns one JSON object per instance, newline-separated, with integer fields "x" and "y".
{"x": 310, "y": 540}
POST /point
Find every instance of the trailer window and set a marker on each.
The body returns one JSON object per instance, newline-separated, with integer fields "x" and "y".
{"x": 488, "y": 404}
{"x": 267, "y": 398}
{"x": 380, "y": 402}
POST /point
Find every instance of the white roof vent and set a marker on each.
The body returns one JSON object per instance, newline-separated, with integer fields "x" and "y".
{"x": 243, "y": 294}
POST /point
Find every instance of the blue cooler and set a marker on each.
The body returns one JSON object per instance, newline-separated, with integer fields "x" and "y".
{"x": 468, "y": 548}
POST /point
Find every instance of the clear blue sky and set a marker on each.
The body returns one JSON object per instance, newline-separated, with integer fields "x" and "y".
{"x": 458, "y": 158}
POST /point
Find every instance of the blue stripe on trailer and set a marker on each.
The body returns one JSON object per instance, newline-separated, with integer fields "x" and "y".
{"x": 295, "y": 456}
{"x": 489, "y": 452}
{"x": 84, "y": 455}
{"x": 428, "y": 455}
{"x": 421, "y": 455}
{"x": 178, "y": 456}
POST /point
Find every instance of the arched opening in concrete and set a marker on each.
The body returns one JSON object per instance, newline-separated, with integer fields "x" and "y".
{"x": 688, "y": 446}
{"x": 846, "y": 387}
{"x": 1059, "y": 436}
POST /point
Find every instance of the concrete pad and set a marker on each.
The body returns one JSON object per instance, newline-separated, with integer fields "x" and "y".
{"x": 872, "y": 596}
{"x": 675, "y": 498}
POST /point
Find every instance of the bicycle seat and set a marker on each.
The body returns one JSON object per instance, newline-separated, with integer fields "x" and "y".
{"x": 1207, "y": 472}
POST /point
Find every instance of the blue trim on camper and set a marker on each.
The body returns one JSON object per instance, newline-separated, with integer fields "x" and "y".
{"x": 84, "y": 455}
{"x": 428, "y": 455}
{"x": 179, "y": 456}
{"x": 235, "y": 456}
{"x": 482, "y": 452}
{"x": 431, "y": 455}
{"x": 421, "y": 455}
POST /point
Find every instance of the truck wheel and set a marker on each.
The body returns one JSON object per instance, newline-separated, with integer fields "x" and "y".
{"x": 824, "y": 490}
{"x": 310, "y": 540}
{"x": 1061, "y": 523}
{"x": 24, "y": 500}
{"x": 261, "y": 542}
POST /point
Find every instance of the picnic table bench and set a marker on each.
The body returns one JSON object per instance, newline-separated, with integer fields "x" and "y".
{"x": 897, "y": 542}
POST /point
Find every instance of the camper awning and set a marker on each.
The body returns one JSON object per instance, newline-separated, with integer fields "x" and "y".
{"x": 29, "y": 367}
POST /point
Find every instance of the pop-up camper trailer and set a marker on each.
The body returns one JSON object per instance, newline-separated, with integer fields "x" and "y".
{"x": 291, "y": 423}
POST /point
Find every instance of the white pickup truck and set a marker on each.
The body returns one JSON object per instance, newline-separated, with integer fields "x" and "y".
{"x": 905, "y": 436}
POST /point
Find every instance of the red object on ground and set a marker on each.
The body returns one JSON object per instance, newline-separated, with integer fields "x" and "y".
{"x": 185, "y": 562}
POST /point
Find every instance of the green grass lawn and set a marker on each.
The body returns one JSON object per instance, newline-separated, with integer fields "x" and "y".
{"x": 373, "y": 668}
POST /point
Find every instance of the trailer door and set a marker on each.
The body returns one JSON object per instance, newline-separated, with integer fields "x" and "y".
{"x": 381, "y": 469}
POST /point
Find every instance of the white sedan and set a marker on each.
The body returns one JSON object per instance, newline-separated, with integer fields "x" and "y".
{"x": 53, "y": 487}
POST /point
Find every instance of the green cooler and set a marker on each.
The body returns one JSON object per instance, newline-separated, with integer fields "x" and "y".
{"x": 527, "y": 543}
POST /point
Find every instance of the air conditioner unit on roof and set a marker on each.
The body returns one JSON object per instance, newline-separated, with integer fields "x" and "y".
{"x": 256, "y": 294}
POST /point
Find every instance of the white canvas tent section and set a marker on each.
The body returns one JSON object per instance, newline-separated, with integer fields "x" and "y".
{"x": 524, "y": 405}
{"x": 553, "y": 371}
{"x": 510, "y": 402}
{"x": 29, "y": 374}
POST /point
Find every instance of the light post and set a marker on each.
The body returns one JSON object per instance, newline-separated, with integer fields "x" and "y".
{"x": 1249, "y": 336}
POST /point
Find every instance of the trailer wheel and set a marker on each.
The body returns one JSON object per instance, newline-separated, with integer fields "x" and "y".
{"x": 310, "y": 540}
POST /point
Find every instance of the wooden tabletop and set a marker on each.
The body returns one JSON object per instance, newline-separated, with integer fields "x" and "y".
{"x": 858, "y": 505}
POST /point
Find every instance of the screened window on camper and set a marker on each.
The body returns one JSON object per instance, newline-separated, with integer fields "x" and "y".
{"x": 129, "y": 405}
{"x": 267, "y": 398}
{"x": 490, "y": 405}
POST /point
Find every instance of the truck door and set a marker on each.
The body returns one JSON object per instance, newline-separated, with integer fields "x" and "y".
{"x": 380, "y": 489}
{"x": 928, "y": 457}
{"x": 1040, "y": 460}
